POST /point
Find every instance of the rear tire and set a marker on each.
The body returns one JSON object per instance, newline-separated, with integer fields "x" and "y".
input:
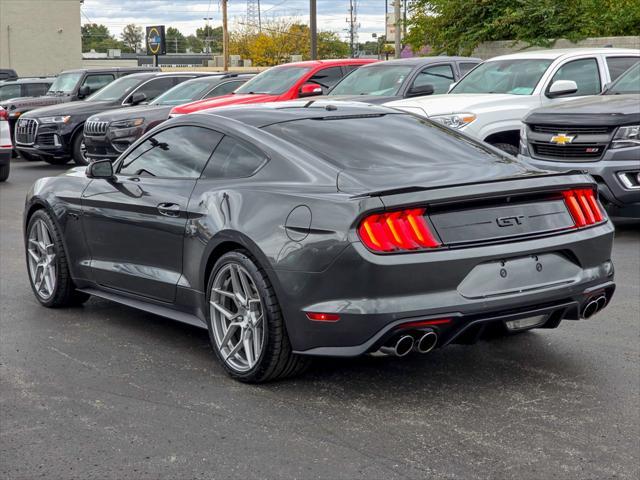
{"x": 79, "y": 150}
{"x": 47, "y": 264}
{"x": 508, "y": 148}
{"x": 4, "y": 172}
{"x": 258, "y": 321}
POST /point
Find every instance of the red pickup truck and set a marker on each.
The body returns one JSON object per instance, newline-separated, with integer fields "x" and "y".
{"x": 284, "y": 82}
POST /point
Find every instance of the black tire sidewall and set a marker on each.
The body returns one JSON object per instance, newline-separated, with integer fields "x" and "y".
{"x": 507, "y": 148}
{"x": 4, "y": 172}
{"x": 260, "y": 281}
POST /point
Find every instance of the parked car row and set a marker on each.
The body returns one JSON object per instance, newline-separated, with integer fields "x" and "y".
{"x": 487, "y": 100}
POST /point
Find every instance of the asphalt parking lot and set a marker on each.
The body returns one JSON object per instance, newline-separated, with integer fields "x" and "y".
{"x": 105, "y": 391}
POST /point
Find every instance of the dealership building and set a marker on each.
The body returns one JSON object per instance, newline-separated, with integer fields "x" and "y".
{"x": 39, "y": 37}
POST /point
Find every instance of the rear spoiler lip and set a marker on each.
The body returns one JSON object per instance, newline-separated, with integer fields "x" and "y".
{"x": 416, "y": 188}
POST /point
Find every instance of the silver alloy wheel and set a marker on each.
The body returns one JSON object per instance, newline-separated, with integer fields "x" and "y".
{"x": 237, "y": 317}
{"x": 42, "y": 260}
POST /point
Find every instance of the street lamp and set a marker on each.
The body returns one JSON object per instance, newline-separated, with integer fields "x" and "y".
{"x": 207, "y": 39}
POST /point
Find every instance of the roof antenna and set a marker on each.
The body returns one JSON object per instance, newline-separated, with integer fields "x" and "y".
{"x": 329, "y": 107}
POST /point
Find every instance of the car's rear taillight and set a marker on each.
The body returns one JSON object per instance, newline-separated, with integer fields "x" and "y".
{"x": 3, "y": 114}
{"x": 402, "y": 230}
{"x": 583, "y": 206}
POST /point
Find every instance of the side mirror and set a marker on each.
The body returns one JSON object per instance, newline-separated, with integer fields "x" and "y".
{"x": 100, "y": 169}
{"x": 310, "y": 90}
{"x": 137, "y": 98}
{"x": 451, "y": 85}
{"x": 562, "y": 87}
{"x": 84, "y": 91}
{"x": 420, "y": 90}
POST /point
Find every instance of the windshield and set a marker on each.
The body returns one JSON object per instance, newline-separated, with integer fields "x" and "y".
{"x": 629, "y": 82}
{"x": 516, "y": 77}
{"x": 186, "y": 92}
{"x": 274, "y": 81}
{"x": 378, "y": 80}
{"x": 65, "y": 83}
{"x": 115, "y": 90}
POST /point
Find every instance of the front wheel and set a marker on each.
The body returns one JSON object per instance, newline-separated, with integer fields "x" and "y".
{"x": 245, "y": 322}
{"x": 79, "y": 149}
{"x": 47, "y": 264}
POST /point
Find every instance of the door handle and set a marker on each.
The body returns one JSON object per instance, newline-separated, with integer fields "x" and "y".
{"x": 169, "y": 209}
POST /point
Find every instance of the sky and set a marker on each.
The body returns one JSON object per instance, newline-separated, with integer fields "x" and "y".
{"x": 187, "y": 15}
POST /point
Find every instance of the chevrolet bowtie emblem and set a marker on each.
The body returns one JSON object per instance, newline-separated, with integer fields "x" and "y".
{"x": 562, "y": 139}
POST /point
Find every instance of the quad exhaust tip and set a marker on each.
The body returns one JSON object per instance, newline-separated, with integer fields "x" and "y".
{"x": 400, "y": 348}
{"x": 426, "y": 342}
{"x": 421, "y": 342}
{"x": 593, "y": 306}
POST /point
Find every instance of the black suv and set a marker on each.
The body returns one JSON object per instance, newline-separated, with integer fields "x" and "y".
{"x": 55, "y": 133}
{"x": 25, "y": 87}
{"x": 70, "y": 85}
{"x": 108, "y": 134}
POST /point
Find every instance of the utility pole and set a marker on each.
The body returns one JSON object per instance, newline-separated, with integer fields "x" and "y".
{"x": 398, "y": 19}
{"x": 313, "y": 26}
{"x": 225, "y": 37}
{"x": 254, "y": 18}
{"x": 353, "y": 27}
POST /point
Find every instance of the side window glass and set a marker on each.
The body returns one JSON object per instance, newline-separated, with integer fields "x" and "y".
{"x": 36, "y": 89}
{"x": 584, "y": 72}
{"x": 327, "y": 77}
{"x": 178, "y": 152}
{"x": 619, "y": 65}
{"x": 466, "y": 67}
{"x": 440, "y": 76}
{"x": 223, "y": 89}
{"x": 234, "y": 159}
{"x": 96, "y": 82}
{"x": 10, "y": 91}
{"x": 155, "y": 87}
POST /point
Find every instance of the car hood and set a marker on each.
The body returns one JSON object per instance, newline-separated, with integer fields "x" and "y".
{"x": 144, "y": 111}
{"x": 372, "y": 99}
{"x": 234, "y": 99}
{"x": 442, "y": 171}
{"x": 597, "y": 110}
{"x": 22, "y": 103}
{"x": 79, "y": 107}
{"x": 464, "y": 102}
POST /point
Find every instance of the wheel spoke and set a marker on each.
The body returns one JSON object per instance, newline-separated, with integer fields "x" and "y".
{"x": 224, "y": 293}
{"x": 246, "y": 288}
{"x": 234, "y": 350}
{"x": 230, "y": 331}
{"x": 234, "y": 271}
{"x": 258, "y": 321}
{"x": 34, "y": 256}
{"x": 48, "y": 282}
{"x": 226, "y": 313}
{"x": 248, "y": 349}
{"x": 256, "y": 341}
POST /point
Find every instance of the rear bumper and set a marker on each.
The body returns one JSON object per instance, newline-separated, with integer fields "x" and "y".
{"x": 620, "y": 199}
{"x": 374, "y": 294}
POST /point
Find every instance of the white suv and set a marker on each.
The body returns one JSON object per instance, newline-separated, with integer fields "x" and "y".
{"x": 5, "y": 145}
{"x": 491, "y": 100}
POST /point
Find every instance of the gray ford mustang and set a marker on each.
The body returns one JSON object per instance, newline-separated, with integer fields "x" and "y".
{"x": 296, "y": 229}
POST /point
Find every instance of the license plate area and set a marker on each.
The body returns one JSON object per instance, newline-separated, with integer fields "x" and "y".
{"x": 517, "y": 275}
{"x": 525, "y": 323}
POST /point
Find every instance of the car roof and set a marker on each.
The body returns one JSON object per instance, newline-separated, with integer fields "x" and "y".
{"x": 555, "y": 53}
{"x": 324, "y": 63}
{"x": 30, "y": 80}
{"x": 111, "y": 69}
{"x": 262, "y": 114}
{"x": 413, "y": 61}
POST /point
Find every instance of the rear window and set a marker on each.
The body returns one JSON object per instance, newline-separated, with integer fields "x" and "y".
{"x": 366, "y": 142}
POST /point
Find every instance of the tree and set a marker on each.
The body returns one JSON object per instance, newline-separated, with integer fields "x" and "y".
{"x": 194, "y": 44}
{"x": 97, "y": 37}
{"x": 176, "y": 42}
{"x": 458, "y": 26}
{"x": 281, "y": 39}
{"x": 132, "y": 37}
{"x": 210, "y": 37}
